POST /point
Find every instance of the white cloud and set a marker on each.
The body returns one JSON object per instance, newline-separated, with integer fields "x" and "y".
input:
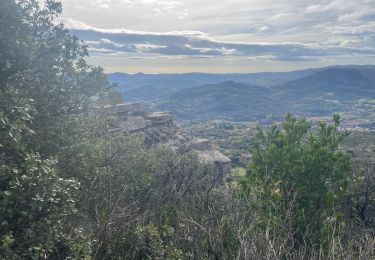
{"x": 280, "y": 15}
{"x": 356, "y": 14}
{"x": 312, "y": 25}
{"x": 147, "y": 47}
{"x": 313, "y": 8}
{"x": 368, "y": 28}
{"x": 106, "y": 41}
{"x": 198, "y": 44}
{"x": 263, "y": 29}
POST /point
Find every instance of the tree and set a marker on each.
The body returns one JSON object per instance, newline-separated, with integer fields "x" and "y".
{"x": 300, "y": 171}
{"x": 46, "y": 88}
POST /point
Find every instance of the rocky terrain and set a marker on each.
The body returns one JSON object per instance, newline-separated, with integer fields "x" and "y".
{"x": 159, "y": 128}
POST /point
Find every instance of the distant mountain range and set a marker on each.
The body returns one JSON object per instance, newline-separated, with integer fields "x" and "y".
{"x": 327, "y": 91}
{"x": 253, "y": 96}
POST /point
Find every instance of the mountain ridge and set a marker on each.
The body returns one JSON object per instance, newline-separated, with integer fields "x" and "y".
{"x": 317, "y": 92}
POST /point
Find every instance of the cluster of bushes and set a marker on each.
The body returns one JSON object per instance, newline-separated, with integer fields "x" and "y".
{"x": 71, "y": 190}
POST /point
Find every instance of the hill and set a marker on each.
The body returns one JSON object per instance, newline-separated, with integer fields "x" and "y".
{"x": 328, "y": 91}
{"x": 236, "y": 97}
{"x": 187, "y": 80}
{"x": 226, "y": 100}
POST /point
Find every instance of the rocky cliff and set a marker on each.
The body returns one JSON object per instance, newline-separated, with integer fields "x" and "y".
{"x": 161, "y": 128}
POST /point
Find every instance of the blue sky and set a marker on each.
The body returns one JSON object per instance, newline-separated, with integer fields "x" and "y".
{"x": 169, "y": 36}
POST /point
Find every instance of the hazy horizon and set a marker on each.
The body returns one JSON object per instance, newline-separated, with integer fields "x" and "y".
{"x": 265, "y": 71}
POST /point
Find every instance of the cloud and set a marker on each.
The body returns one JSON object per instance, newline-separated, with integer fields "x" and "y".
{"x": 364, "y": 29}
{"x": 277, "y": 32}
{"x": 280, "y": 15}
{"x": 199, "y": 44}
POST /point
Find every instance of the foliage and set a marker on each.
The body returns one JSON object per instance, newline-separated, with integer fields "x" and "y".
{"x": 303, "y": 166}
{"x": 45, "y": 87}
{"x": 71, "y": 189}
{"x": 226, "y": 100}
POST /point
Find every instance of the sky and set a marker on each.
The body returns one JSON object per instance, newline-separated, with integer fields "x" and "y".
{"x": 222, "y": 36}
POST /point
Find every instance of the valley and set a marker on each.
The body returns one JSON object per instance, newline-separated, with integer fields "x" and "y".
{"x": 134, "y": 129}
{"x": 226, "y": 108}
{"x": 259, "y": 97}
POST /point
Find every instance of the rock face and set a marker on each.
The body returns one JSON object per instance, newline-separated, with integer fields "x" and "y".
{"x": 160, "y": 128}
{"x": 156, "y": 127}
{"x": 209, "y": 154}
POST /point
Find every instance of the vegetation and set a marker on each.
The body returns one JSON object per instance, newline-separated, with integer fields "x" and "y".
{"x": 234, "y": 139}
{"x": 69, "y": 189}
{"x": 224, "y": 100}
{"x": 308, "y": 170}
{"x": 244, "y": 97}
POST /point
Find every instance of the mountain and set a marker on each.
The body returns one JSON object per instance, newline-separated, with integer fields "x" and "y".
{"x": 146, "y": 94}
{"x": 227, "y": 100}
{"x": 344, "y": 83}
{"x": 237, "y": 97}
{"x": 187, "y": 80}
{"x": 327, "y": 91}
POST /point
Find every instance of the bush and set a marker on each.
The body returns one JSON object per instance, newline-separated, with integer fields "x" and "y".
{"x": 302, "y": 168}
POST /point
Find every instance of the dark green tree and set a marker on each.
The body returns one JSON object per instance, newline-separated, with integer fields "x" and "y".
{"x": 46, "y": 89}
{"x": 298, "y": 175}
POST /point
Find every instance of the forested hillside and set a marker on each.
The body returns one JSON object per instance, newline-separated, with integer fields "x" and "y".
{"x": 334, "y": 89}
{"x": 314, "y": 92}
{"x": 70, "y": 188}
{"x": 227, "y": 100}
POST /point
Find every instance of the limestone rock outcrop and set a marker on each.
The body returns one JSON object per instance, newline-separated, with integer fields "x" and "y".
{"x": 161, "y": 128}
